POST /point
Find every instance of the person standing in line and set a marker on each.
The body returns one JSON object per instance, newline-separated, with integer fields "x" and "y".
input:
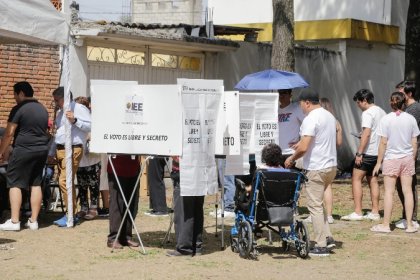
{"x": 366, "y": 157}
{"x": 317, "y": 146}
{"x": 79, "y": 118}
{"x": 88, "y": 176}
{"x": 188, "y": 219}
{"x": 104, "y": 187}
{"x": 398, "y": 150}
{"x": 328, "y": 195}
{"x": 408, "y": 88}
{"x": 228, "y": 191}
{"x": 290, "y": 117}
{"x": 157, "y": 188}
{"x": 127, "y": 169}
{"x": 28, "y": 125}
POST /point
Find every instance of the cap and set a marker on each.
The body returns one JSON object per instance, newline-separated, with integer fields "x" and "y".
{"x": 309, "y": 94}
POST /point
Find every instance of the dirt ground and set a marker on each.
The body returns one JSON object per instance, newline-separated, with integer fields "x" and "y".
{"x": 81, "y": 252}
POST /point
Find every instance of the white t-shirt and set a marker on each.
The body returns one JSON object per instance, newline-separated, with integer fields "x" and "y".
{"x": 322, "y": 151}
{"x": 370, "y": 119}
{"x": 290, "y": 119}
{"x": 398, "y": 130}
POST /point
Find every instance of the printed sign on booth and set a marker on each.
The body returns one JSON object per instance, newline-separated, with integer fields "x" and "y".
{"x": 200, "y": 101}
{"x": 132, "y": 119}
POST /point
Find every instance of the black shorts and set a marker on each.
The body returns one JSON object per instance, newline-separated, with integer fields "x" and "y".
{"x": 368, "y": 164}
{"x": 25, "y": 168}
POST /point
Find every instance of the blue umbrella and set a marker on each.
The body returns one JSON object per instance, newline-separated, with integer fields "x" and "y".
{"x": 271, "y": 80}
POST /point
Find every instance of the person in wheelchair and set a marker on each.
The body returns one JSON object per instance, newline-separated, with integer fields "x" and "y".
{"x": 270, "y": 158}
{"x": 270, "y": 202}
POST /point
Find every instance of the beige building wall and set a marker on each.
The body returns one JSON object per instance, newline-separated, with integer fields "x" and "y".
{"x": 169, "y": 11}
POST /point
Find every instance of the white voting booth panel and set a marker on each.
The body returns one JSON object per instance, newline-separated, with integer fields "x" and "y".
{"x": 258, "y": 127}
{"x": 227, "y": 129}
{"x": 266, "y": 122}
{"x": 136, "y": 119}
{"x": 200, "y": 100}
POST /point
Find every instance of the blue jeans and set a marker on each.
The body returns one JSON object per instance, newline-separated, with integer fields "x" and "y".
{"x": 229, "y": 187}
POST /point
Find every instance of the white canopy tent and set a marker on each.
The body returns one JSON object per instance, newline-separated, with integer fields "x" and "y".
{"x": 35, "y": 22}
{"x": 38, "y": 22}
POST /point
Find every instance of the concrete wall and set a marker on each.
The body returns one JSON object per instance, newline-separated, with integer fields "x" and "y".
{"x": 244, "y": 11}
{"x": 378, "y": 11}
{"x": 169, "y": 11}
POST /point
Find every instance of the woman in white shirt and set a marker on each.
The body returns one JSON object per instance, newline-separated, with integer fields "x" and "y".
{"x": 397, "y": 149}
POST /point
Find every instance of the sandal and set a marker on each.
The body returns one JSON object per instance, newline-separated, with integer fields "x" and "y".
{"x": 91, "y": 214}
{"x": 380, "y": 228}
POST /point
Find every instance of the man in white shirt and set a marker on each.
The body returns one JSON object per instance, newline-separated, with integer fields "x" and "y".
{"x": 79, "y": 118}
{"x": 366, "y": 157}
{"x": 317, "y": 146}
{"x": 290, "y": 117}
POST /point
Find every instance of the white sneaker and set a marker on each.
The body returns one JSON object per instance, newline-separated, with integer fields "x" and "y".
{"x": 10, "y": 226}
{"x": 372, "y": 217}
{"x": 352, "y": 217}
{"x": 32, "y": 225}
{"x": 330, "y": 219}
{"x": 227, "y": 214}
{"x": 402, "y": 224}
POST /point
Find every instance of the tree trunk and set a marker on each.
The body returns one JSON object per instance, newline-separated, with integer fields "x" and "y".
{"x": 412, "y": 48}
{"x": 283, "y": 52}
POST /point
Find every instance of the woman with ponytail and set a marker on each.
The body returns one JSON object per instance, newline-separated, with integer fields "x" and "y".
{"x": 397, "y": 149}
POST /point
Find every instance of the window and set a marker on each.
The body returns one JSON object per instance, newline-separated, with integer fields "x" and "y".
{"x": 130, "y": 57}
{"x": 100, "y": 54}
{"x": 189, "y": 63}
{"x": 164, "y": 60}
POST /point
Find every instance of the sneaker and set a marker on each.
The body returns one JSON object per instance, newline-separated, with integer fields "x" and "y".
{"x": 61, "y": 220}
{"x": 319, "y": 252}
{"x": 153, "y": 213}
{"x": 330, "y": 219}
{"x": 227, "y": 214}
{"x": 330, "y": 242}
{"x": 10, "y": 226}
{"x": 103, "y": 212}
{"x": 308, "y": 220}
{"x": 176, "y": 253}
{"x": 31, "y": 225}
{"x": 402, "y": 224}
{"x": 372, "y": 217}
{"x": 352, "y": 217}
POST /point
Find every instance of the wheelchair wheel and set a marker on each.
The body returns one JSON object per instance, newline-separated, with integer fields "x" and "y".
{"x": 285, "y": 246}
{"x": 245, "y": 241}
{"x": 234, "y": 244}
{"x": 302, "y": 242}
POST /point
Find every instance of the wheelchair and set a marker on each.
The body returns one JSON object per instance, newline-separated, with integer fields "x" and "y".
{"x": 271, "y": 203}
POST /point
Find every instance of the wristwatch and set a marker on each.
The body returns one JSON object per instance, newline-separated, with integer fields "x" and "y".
{"x": 75, "y": 120}
{"x": 358, "y": 154}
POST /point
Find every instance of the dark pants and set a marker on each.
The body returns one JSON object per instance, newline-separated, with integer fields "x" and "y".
{"x": 88, "y": 178}
{"x": 117, "y": 207}
{"x": 415, "y": 196}
{"x": 157, "y": 189}
{"x": 189, "y": 219}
